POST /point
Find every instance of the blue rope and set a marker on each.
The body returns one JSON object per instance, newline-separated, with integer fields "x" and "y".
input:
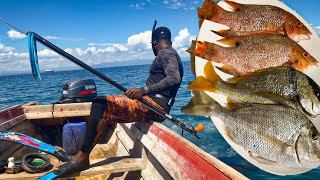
{"x": 32, "y": 44}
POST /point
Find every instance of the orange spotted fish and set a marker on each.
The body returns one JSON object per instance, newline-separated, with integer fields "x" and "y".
{"x": 252, "y": 19}
{"x": 253, "y": 52}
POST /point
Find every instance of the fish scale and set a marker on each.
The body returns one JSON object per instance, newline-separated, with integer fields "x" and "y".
{"x": 253, "y": 52}
{"x": 249, "y": 127}
{"x": 257, "y": 19}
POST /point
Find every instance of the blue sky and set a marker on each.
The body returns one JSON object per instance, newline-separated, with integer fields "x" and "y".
{"x": 99, "y": 31}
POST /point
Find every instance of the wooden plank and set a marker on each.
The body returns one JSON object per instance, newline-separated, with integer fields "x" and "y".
{"x": 99, "y": 166}
{"x": 113, "y": 165}
{"x": 191, "y": 159}
{"x": 57, "y": 111}
{"x": 158, "y": 153}
{"x": 153, "y": 170}
{"x": 10, "y": 113}
{"x": 12, "y": 122}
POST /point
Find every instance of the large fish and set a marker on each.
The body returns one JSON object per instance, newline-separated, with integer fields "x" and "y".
{"x": 276, "y": 138}
{"x": 252, "y": 19}
{"x": 276, "y": 85}
{"x": 254, "y": 52}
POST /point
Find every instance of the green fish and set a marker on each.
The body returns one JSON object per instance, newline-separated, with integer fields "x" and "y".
{"x": 276, "y": 138}
{"x": 276, "y": 85}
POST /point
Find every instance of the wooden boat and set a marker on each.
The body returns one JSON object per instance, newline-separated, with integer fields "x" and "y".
{"x": 126, "y": 151}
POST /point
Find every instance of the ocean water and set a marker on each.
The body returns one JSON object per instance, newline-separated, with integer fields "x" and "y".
{"x": 20, "y": 89}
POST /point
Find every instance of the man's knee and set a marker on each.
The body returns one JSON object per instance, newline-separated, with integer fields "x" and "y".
{"x": 99, "y": 100}
{"x": 98, "y": 107}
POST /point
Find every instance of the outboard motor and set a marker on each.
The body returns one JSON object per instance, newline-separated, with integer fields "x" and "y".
{"x": 79, "y": 90}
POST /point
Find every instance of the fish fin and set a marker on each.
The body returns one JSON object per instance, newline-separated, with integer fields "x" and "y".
{"x": 236, "y": 80}
{"x": 233, "y": 6}
{"x": 197, "y": 48}
{"x": 192, "y": 58}
{"x": 222, "y": 32}
{"x": 230, "y": 42}
{"x": 249, "y": 75}
{"x": 228, "y": 134}
{"x": 201, "y": 84}
{"x": 231, "y": 104}
{"x": 196, "y": 109}
{"x": 209, "y": 9}
{"x": 211, "y": 74}
{"x": 200, "y": 22}
{"x": 281, "y": 30}
{"x": 287, "y": 64}
{"x": 261, "y": 159}
{"x": 200, "y": 105}
{"x": 289, "y": 150}
{"x": 229, "y": 70}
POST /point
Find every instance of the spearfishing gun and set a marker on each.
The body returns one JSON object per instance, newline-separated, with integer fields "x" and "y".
{"x": 33, "y": 37}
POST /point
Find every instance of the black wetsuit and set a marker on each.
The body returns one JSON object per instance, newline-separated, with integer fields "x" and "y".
{"x": 165, "y": 77}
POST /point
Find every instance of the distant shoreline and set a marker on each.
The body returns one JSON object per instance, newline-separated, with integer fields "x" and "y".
{"x": 14, "y": 73}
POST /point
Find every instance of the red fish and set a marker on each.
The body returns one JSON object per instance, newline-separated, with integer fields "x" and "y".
{"x": 253, "y": 52}
{"x": 252, "y": 19}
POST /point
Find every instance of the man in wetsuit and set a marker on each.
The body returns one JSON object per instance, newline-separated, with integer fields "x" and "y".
{"x": 164, "y": 80}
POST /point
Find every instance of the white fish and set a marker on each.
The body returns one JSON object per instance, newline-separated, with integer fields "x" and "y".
{"x": 276, "y": 138}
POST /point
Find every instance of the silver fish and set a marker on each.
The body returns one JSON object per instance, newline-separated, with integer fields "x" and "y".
{"x": 281, "y": 139}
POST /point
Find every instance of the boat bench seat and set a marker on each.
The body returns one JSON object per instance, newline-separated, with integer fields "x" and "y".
{"x": 98, "y": 166}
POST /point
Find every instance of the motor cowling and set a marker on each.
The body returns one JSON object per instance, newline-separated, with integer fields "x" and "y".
{"x": 79, "y": 90}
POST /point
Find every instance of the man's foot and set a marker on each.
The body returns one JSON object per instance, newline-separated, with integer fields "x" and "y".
{"x": 81, "y": 157}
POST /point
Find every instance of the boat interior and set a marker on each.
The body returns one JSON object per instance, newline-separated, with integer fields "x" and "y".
{"x": 126, "y": 151}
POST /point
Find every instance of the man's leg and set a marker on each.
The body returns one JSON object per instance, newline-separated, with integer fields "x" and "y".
{"x": 113, "y": 109}
{"x": 95, "y": 124}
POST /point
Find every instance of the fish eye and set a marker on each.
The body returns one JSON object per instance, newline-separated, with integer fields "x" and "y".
{"x": 314, "y": 136}
{"x": 305, "y": 54}
{"x": 299, "y": 24}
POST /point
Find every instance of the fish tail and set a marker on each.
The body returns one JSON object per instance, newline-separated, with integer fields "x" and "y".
{"x": 209, "y": 9}
{"x": 211, "y": 74}
{"x": 201, "y": 105}
{"x": 207, "y": 82}
{"x": 201, "y": 84}
{"x": 207, "y": 51}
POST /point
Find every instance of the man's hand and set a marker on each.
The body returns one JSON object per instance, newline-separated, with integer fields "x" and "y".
{"x": 134, "y": 93}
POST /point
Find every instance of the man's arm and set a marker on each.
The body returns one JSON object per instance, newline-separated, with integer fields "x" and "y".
{"x": 170, "y": 66}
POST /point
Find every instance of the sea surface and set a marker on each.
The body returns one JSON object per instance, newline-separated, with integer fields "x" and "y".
{"x": 20, "y": 89}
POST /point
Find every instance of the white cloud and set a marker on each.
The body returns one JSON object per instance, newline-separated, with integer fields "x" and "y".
{"x": 15, "y": 34}
{"x": 138, "y": 46}
{"x": 100, "y": 44}
{"x": 141, "y": 41}
{"x": 69, "y": 50}
{"x": 180, "y": 4}
{"x": 5, "y": 49}
{"x": 183, "y": 39}
{"x": 62, "y": 38}
{"x": 46, "y": 53}
{"x": 317, "y": 29}
{"x": 52, "y": 37}
{"x": 138, "y": 6}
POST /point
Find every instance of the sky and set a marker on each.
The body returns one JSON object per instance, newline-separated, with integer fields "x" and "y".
{"x": 102, "y": 31}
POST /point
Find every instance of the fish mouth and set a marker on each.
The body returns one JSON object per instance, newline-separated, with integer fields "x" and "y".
{"x": 302, "y": 37}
